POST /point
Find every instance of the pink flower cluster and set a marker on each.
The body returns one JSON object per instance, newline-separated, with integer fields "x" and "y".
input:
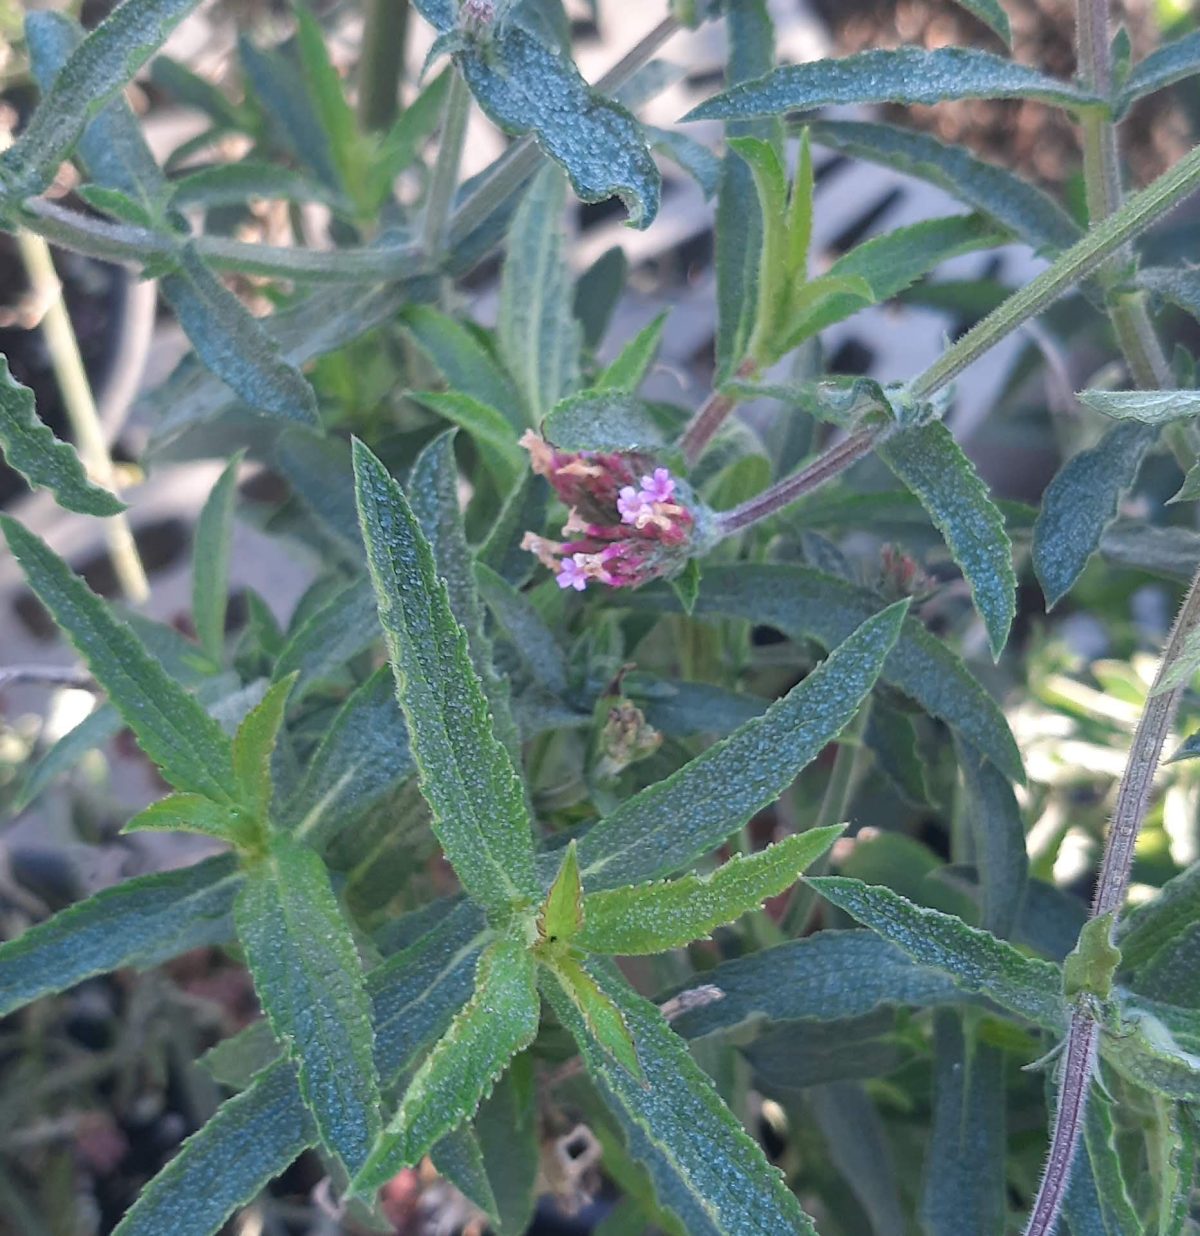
{"x": 628, "y": 521}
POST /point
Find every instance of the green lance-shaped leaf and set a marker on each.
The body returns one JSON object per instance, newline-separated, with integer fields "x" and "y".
{"x": 525, "y": 86}
{"x": 1091, "y": 966}
{"x": 334, "y": 633}
{"x": 234, "y": 184}
{"x": 648, "y": 918}
{"x": 500, "y": 1020}
{"x": 210, "y": 562}
{"x": 673, "y": 822}
{"x": 807, "y": 604}
{"x": 538, "y": 335}
{"x": 171, "y": 727}
{"x": 1148, "y": 407}
{"x": 561, "y": 914}
{"x": 310, "y": 982}
{"x": 234, "y": 344}
{"x": 629, "y": 369}
{"x": 1081, "y": 502}
{"x": 487, "y": 425}
{"x": 30, "y": 448}
{"x": 976, "y": 960}
{"x": 906, "y": 75}
{"x": 1145, "y": 1051}
{"x": 462, "y": 359}
{"x": 830, "y": 976}
{"x": 929, "y": 461}
{"x": 739, "y": 221}
{"x": 361, "y": 757}
{"x": 965, "y": 1162}
{"x": 253, "y": 745}
{"x": 466, "y": 774}
{"x": 252, "y": 1138}
{"x": 604, "y": 1020}
{"x": 458, "y": 1158}
{"x": 102, "y": 65}
{"x": 993, "y": 191}
{"x": 888, "y": 264}
{"x": 433, "y": 493}
{"x": 1154, "y": 925}
{"x": 1164, "y": 66}
{"x": 193, "y": 813}
{"x": 703, "y": 1166}
{"x": 137, "y": 923}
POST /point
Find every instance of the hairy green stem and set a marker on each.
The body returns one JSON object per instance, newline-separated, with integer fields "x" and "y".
{"x": 80, "y": 406}
{"x": 129, "y": 245}
{"x": 1071, "y": 267}
{"x": 445, "y": 171}
{"x": 384, "y": 41}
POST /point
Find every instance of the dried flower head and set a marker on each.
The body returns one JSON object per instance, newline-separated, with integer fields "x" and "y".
{"x": 629, "y": 521}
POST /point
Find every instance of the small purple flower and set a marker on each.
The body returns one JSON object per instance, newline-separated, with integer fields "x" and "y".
{"x": 659, "y": 487}
{"x": 572, "y": 573}
{"x": 630, "y": 504}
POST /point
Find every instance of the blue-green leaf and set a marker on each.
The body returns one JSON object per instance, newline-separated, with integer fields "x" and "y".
{"x": 102, "y": 65}
{"x": 965, "y": 1160}
{"x": 1179, "y": 285}
{"x": 610, "y": 420}
{"x": 525, "y": 86}
{"x": 210, "y": 562}
{"x": 362, "y": 755}
{"x": 751, "y": 37}
{"x": 1148, "y": 407}
{"x": 507, "y": 1128}
{"x": 702, "y": 1164}
{"x": 539, "y": 338}
{"x": 171, "y": 727}
{"x": 993, "y": 191}
{"x": 929, "y": 461}
{"x": 252, "y": 1138}
{"x": 139, "y": 923}
{"x": 30, "y": 448}
{"x": 994, "y": 822}
{"x": 1081, "y": 502}
{"x": 489, "y": 427}
{"x": 1097, "y": 1199}
{"x": 525, "y": 629}
{"x": 1164, "y": 66}
{"x": 673, "y": 822}
{"x": 461, "y": 358}
{"x": 310, "y": 982}
{"x": 234, "y": 344}
{"x": 905, "y": 75}
{"x": 807, "y": 604}
{"x": 466, "y": 773}
{"x": 976, "y": 960}
{"x": 500, "y": 1020}
{"x": 344, "y": 626}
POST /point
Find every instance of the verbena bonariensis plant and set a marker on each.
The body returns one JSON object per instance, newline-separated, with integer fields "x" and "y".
{"x": 567, "y": 792}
